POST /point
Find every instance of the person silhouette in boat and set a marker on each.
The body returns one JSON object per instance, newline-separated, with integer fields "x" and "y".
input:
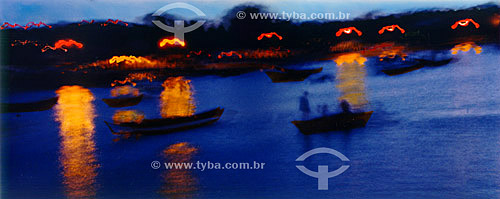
{"x": 346, "y": 107}
{"x": 304, "y": 105}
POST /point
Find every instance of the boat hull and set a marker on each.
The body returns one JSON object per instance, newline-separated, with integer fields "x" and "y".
{"x": 431, "y": 63}
{"x": 289, "y": 75}
{"x": 337, "y": 122}
{"x": 42, "y": 105}
{"x": 399, "y": 71}
{"x": 167, "y": 125}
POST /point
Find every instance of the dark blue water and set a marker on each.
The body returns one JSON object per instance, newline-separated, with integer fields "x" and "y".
{"x": 434, "y": 133}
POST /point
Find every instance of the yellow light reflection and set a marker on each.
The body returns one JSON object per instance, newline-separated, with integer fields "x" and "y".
{"x": 465, "y": 47}
{"x": 350, "y": 58}
{"x": 351, "y": 79}
{"x": 386, "y": 50}
{"x": 124, "y": 90}
{"x": 123, "y": 116}
{"x": 135, "y": 76}
{"x": 392, "y": 53}
{"x": 75, "y": 113}
{"x": 176, "y": 99}
{"x": 179, "y": 183}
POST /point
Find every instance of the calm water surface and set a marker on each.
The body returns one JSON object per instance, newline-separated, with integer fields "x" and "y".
{"x": 434, "y": 134}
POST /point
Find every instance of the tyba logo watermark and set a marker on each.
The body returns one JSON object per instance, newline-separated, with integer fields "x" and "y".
{"x": 178, "y": 29}
{"x": 322, "y": 174}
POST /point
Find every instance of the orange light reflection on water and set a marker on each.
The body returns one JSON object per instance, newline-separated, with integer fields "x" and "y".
{"x": 350, "y": 79}
{"x": 466, "y": 47}
{"x": 75, "y": 112}
{"x": 124, "y": 90}
{"x": 176, "y": 99}
{"x": 135, "y": 76}
{"x": 179, "y": 183}
{"x": 124, "y": 116}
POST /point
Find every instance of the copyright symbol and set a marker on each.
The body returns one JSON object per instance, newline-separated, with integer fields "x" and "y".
{"x": 155, "y": 164}
{"x": 241, "y": 15}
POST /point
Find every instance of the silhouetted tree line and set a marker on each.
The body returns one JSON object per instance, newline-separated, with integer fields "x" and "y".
{"x": 428, "y": 28}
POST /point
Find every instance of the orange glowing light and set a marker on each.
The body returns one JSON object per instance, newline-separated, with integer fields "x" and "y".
{"x": 176, "y": 99}
{"x": 124, "y": 116}
{"x": 124, "y": 90}
{"x": 85, "y": 21}
{"x": 63, "y": 44}
{"x": 132, "y": 63}
{"x": 172, "y": 41}
{"x": 269, "y": 35}
{"x": 390, "y": 29}
{"x": 28, "y": 25}
{"x": 350, "y": 59}
{"x": 135, "y": 76}
{"x": 465, "y": 47}
{"x": 229, "y": 54}
{"x": 114, "y": 22}
{"x": 128, "y": 59}
{"x": 75, "y": 113}
{"x": 348, "y": 30}
{"x": 464, "y": 22}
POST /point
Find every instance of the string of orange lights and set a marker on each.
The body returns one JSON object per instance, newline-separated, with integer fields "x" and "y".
{"x": 28, "y": 25}
{"x": 269, "y": 35}
{"x": 229, "y": 54}
{"x": 63, "y": 44}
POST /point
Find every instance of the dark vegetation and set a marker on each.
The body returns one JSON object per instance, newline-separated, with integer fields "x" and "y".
{"x": 423, "y": 28}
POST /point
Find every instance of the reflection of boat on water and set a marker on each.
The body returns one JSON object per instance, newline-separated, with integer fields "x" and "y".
{"x": 337, "y": 122}
{"x": 433, "y": 63}
{"x": 403, "y": 70}
{"x": 42, "y": 105}
{"x": 167, "y": 125}
{"x": 123, "y": 101}
{"x": 290, "y": 75}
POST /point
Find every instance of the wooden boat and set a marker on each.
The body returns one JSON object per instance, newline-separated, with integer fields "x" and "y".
{"x": 403, "y": 70}
{"x": 290, "y": 75}
{"x": 433, "y": 63}
{"x": 42, "y": 105}
{"x": 167, "y": 125}
{"x": 421, "y": 63}
{"x": 123, "y": 101}
{"x": 337, "y": 122}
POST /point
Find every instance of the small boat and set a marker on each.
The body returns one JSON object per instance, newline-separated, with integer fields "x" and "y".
{"x": 123, "y": 101}
{"x": 42, "y": 105}
{"x": 433, "y": 63}
{"x": 290, "y": 75}
{"x": 337, "y": 122}
{"x": 403, "y": 70}
{"x": 166, "y": 125}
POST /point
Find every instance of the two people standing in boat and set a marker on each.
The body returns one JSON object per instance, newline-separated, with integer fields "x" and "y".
{"x": 305, "y": 108}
